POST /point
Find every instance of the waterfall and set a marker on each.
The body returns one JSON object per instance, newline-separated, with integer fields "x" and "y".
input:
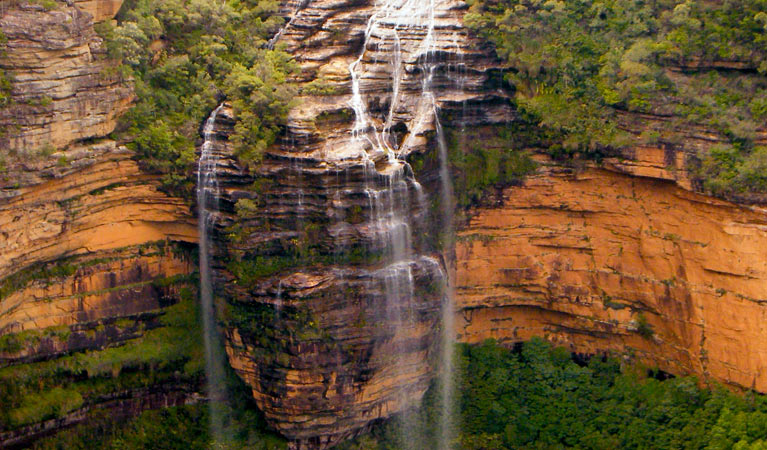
{"x": 300, "y": 4}
{"x": 207, "y": 191}
{"x": 446, "y": 425}
{"x": 391, "y": 206}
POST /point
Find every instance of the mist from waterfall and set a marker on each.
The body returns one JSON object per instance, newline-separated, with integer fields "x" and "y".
{"x": 447, "y": 425}
{"x": 208, "y": 193}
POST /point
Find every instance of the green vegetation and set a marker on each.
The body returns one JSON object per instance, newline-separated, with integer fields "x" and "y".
{"x": 15, "y": 342}
{"x": 249, "y": 270}
{"x": 643, "y": 327}
{"x": 49, "y": 5}
{"x": 5, "y": 82}
{"x": 33, "y": 392}
{"x": 54, "y": 271}
{"x": 484, "y": 158}
{"x": 47, "y": 272}
{"x": 574, "y": 64}
{"x": 184, "y": 56}
{"x": 180, "y": 427}
{"x": 320, "y": 86}
{"x": 538, "y": 397}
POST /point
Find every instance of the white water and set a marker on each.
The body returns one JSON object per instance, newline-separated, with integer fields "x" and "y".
{"x": 447, "y": 423}
{"x": 300, "y": 4}
{"x": 208, "y": 191}
{"x": 391, "y": 207}
{"x": 383, "y": 33}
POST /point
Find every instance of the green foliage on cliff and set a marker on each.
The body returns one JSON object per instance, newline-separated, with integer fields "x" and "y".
{"x": 184, "y": 57}
{"x": 43, "y": 390}
{"x": 5, "y": 82}
{"x": 486, "y": 158}
{"x": 576, "y": 66}
{"x": 180, "y": 427}
{"x": 538, "y": 397}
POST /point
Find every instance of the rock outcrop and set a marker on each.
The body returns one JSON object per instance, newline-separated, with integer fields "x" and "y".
{"x": 329, "y": 279}
{"x": 92, "y": 253}
{"x": 598, "y": 261}
{"x": 333, "y": 285}
{"x": 324, "y": 320}
{"x": 64, "y": 88}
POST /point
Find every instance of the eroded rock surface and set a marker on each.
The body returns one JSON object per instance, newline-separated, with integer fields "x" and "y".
{"x": 333, "y": 286}
{"x": 598, "y": 261}
{"x": 64, "y": 88}
{"x": 91, "y": 251}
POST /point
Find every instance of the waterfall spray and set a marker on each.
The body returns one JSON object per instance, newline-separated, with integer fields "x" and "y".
{"x": 207, "y": 190}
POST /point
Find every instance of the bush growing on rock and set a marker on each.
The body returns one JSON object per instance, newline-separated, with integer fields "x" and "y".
{"x": 575, "y": 66}
{"x": 186, "y": 55}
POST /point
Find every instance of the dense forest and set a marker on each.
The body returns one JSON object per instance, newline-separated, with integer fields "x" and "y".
{"x": 532, "y": 397}
{"x": 574, "y": 66}
{"x": 185, "y": 57}
{"x": 537, "y": 396}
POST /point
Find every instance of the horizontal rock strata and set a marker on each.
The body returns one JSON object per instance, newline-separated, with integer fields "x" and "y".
{"x": 598, "y": 261}
{"x": 333, "y": 286}
{"x": 64, "y": 89}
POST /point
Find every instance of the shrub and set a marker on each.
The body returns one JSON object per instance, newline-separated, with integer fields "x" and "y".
{"x": 51, "y": 404}
{"x": 573, "y": 64}
{"x": 183, "y": 56}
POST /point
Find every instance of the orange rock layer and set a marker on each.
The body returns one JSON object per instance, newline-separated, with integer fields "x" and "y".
{"x": 604, "y": 262}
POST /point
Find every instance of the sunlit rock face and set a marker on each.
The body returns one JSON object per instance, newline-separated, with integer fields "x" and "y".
{"x": 330, "y": 281}
{"x": 88, "y": 200}
{"x": 598, "y": 261}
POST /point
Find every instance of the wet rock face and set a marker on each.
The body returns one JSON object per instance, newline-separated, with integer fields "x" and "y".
{"x": 331, "y": 294}
{"x": 64, "y": 89}
{"x": 330, "y": 283}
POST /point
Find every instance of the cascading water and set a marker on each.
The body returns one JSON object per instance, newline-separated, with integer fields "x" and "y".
{"x": 391, "y": 206}
{"x": 300, "y": 4}
{"x": 207, "y": 191}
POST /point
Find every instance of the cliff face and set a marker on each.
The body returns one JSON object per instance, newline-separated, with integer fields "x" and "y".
{"x": 329, "y": 280}
{"x": 64, "y": 88}
{"x": 85, "y": 258}
{"x": 332, "y": 284}
{"x": 599, "y": 261}
{"x": 625, "y": 258}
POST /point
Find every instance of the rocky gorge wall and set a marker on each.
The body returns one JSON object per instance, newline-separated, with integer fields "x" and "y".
{"x": 331, "y": 284}
{"x": 330, "y": 323}
{"x": 598, "y": 260}
{"x": 64, "y": 88}
{"x": 91, "y": 252}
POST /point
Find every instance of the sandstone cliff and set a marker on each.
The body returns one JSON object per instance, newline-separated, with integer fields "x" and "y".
{"x": 623, "y": 258}
{"x": 600, "y": 261}
{"x": 86, "y": 258}
{"x": 64, "y": 89}
{"x": 331, "y": 280}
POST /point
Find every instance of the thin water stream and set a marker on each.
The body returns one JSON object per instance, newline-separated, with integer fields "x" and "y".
{"x": 207, "y": 193}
